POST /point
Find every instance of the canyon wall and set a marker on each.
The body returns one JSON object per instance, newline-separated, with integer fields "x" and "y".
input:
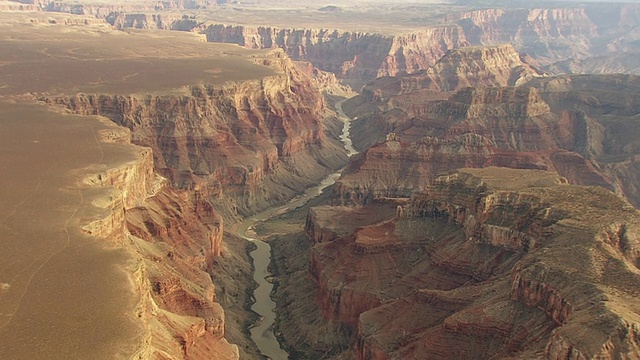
{"x": 350, "y": 55}
{"x": 577, "y": 125}
{"x": 480, "y": 263}
{"x": 477, "y": 127}
{"x": 243, "y": 145}
{"x": 572, "y": 38}
{"x": 174, "y": 239}
{"x": 549, "y": 35}
{"x": 554, "y": 34}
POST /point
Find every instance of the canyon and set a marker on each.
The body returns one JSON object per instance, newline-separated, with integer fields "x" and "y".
{"x": 169, "y": 196}
{"x": 484, "y": 261}
{"x": 164, "y": 208}
{"x": 364, "y": 41}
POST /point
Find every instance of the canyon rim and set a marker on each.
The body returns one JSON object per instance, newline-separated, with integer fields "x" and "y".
{"x": 198, "y": 179}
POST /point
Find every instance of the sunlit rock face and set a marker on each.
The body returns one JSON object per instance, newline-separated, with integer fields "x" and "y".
{"x": 235, "y": 143}
{"x": 495, "y": 261}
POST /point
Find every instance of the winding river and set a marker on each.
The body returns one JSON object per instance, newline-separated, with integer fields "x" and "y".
{"x": 262, "y": 332}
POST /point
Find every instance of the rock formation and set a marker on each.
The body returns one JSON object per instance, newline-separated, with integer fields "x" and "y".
{"x": 579, "y": 125}
{"x": 233, "y": 140}
{"x": 499, "y": 262}
{"x": 552, "y": 34}
{"x": 234, "y": 144}
{"x": 175, "y": 238}
{"x": 548, "y": 34}
{"x": 471, "y": 66}
{"x": 352, "y": 55}
{"x": 476, "y": 127}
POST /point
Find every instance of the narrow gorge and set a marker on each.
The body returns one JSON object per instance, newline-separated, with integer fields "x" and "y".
{"x": 262, "y": 332}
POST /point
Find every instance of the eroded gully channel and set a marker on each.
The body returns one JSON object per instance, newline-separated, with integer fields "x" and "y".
{"x": 262, "y": 332}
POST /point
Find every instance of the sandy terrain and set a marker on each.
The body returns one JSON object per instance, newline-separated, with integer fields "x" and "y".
{"x": 64, "y": 294}
{"x": 56, "y": 58}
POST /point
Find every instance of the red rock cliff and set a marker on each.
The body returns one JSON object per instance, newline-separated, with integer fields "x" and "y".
{"x": 173, "y": 238}
{"x": 235, "y": 144}
{"x": 487, "y": 262}
{"x": 351, "y": 55}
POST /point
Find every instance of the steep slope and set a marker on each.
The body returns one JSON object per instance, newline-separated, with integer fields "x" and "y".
{"x": 610, "y": 103}
{"x": 499, "y": 65}
{"x": 113, "y": 288}
{"x": 244, "y": 145}
{"x": 553, "y": 34}
{"x": 216, "y": 117}
{"x": 581, "y": 126}
{"x": 476, "y": 127}
{"x": 488, "y": 262}
{"x": 395, "y": 168}
{"x": 351, "y": 55}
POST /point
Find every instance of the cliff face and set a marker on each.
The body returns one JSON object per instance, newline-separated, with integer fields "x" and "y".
{"x": 477, "y": 127}
{"x": 548, "y": 34}
{"x": 551, "y": 34}
{"x": 351, "y": 55}
{"x": 233, "y": 144}
{"x": 578, "y": 125}
{"x": 174, "y": 239}
{"x": 466, "y": 67}
{"x": 609, "y": 104}
{"x": 480, "y": 263}
{"x": 102, "y": 10}
{"x": 345, "y": 58}
{"x": 395, "y": 168}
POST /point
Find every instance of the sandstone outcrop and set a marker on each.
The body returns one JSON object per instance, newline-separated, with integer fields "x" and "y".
{"x": 175, "y": 240}
{"x": 500, "y": 262}
{"x": 488, "y": 66}
{"x": 243, "y": 145}
{"x": 477, "y": 127}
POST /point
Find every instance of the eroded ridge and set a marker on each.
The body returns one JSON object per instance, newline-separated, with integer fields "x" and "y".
{"x": 501, "y": 262}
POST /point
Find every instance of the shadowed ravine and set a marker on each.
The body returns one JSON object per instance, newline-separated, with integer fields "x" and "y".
{"x": 262, "y": 332}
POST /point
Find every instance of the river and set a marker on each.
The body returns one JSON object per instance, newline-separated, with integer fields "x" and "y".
{"x": 262, "y": 332}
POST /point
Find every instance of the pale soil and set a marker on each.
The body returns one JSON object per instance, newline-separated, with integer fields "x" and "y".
{"x": 65, "y": 294}
{"x": 54, "y": 58}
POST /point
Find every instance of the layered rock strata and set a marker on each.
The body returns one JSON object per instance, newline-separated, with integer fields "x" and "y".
{"x": 487, "y": 66}
{"x": 352, "y": 55}
{"x": 116, "y": 256}
{"x": 477, "y": 127}
{"x": 548, "y": 34}
{"x": 388, "y": 102}
{"x": 244, "y": 145}
{"x": 231, "y": 130}
{"x": 551, "y": 34}
{"x": 175, "y": 239}
{"x": 488, "y": 262}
